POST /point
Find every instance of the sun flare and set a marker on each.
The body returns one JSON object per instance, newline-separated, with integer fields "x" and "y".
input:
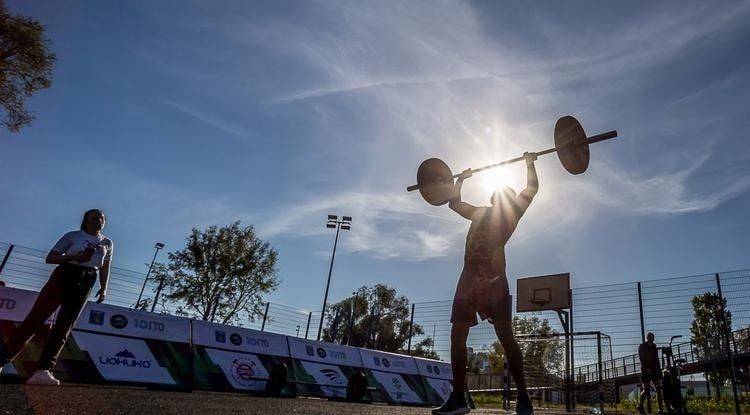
{"x": 495, "y": 179}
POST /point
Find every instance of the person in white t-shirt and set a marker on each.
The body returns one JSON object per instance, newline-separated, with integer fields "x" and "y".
{"x": 80, "y": 255}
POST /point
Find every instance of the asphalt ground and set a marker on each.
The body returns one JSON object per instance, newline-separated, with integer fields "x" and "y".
{"x": 97, "y": 399}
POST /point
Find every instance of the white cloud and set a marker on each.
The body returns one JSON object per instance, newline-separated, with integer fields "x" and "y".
{"x": 437, "y": 85}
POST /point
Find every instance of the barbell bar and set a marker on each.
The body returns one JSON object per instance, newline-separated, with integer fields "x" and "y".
{"x": 435, "y": 179}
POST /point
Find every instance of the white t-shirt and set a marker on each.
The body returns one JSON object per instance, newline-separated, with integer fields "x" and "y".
{"x": 77, "y": 241}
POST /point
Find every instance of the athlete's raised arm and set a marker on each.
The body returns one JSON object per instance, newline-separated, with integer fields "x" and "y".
{"x": 532, "y": 184}
{"x": 462, "y": 208}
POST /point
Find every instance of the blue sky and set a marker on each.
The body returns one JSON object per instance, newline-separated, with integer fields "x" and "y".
{"x": 170, "y": 115}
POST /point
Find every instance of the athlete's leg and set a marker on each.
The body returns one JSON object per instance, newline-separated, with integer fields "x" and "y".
{"x": 504, "y": 331}
{"x": 47, "y": 301}
{"x": 74, "y": 297}
{"x": 459, "y": 334}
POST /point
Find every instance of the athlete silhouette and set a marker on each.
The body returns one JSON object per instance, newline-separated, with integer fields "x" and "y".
{"x": 483, "y": 286}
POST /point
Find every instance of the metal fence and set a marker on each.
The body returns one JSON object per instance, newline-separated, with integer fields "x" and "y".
{"x": 23, "y": 267}
{"x": 625, "y": 311}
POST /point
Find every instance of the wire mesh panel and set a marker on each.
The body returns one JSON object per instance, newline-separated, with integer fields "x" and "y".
{"x": 26, "y": 268}
{"x": 287, "y": 320}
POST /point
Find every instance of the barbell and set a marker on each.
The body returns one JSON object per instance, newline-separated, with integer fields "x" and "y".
{"x": 435, "y": 178}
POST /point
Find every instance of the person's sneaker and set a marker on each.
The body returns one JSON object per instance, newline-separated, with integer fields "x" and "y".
{"x": 43, "y": 377}
{"x": 454, "y": 405}
{"x": 640, "y": 409}
{"x": 524, "y": 409}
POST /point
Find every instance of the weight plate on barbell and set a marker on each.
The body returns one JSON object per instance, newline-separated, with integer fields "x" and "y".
{"x": 571, "y": 141}
{"x": 435, "y": 181}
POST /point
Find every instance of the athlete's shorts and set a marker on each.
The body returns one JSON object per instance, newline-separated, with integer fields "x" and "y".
{"x": 481, "y": 292}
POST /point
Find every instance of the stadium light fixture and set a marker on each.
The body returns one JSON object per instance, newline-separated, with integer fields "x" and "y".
{"x": 333, "y": 222}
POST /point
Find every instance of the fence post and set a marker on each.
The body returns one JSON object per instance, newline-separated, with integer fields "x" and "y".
{"x": 571, "y": 374}
{"x": 506, "y": 389}
{"x": 730, "y": 356}
{"x": 643, "y": 338}
{"x": 411, "y": 330}
{"x": 265, "y": 316}
{"x": 307, "y": 329}
{"x": 599, "y": 364}
{"x": 350, "y": 328}
{"x": 6, "y": 257}
{"x": 335, "y": 326}
{"x": 158, "y": 291}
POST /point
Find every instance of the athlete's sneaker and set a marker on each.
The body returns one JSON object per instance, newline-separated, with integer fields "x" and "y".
{"x": 43, "y": 377}
{"x": 454, "y": 405}
{"x": 524, "y": 409}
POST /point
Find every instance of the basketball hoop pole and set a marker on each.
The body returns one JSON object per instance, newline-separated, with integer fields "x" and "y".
{"x": 565, "y": 317}
{"x": 564, "y": 320}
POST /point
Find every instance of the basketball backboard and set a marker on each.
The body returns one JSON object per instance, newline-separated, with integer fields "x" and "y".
{"x": 546, "y": 292}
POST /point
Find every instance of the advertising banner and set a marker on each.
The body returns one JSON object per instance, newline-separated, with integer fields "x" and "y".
{"x": 330, "y": 379}
{"x": 395, "y": 377}
{"x": 388, "y": 362}
{"x": 439, "y": 390}
{"x": 121, "y": 321}
{"x": 242, "y": 370}
{"x": 398, "y": 388}
{"x": 122, "y": 359}
{"x": 434, "y": 368}
{"x": 438, "y": 379}
{"x": 237, "y": 359}
{"x": 240, "y": 339}
{"x": 16, "y": 303}
{"x": 324, "y": 352}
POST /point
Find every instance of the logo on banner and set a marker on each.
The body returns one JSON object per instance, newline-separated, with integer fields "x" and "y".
{"x": 221, "y": 337}
{"x": 334, "y": 376}
{"x": 376, "y": 360}
{"x": 386, "y": 363}
{"x": 149, "y": 325}
{"x": 398, "y": 386}
{"x": 309, "y": 350}
{"x": 96, "y": 317}
{"x": 118, "y": 321}
{"x": 236, "y": 339}
{"x": 243, "y": 371}
{"x": 321, "y": 352}
{"x": 445, "y": 388}
{"x": 257, "y": 342}
{"x": 7, "y": 303}
{"x": 125, "y": 358}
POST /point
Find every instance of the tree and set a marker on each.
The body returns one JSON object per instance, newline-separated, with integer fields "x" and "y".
{"x": 379, "y": 320}
{"x": 547, "y": 354}
{"x": 708, "y": 331}
{"x": 25, "y": 65}
{"x": 221, "y": 274}
{"x": 425, "y": 348}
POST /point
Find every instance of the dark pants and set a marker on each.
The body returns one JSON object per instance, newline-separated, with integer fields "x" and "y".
{"x": 68, "y": 288}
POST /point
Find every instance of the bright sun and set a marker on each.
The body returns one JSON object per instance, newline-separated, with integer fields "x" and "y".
{"x": 495, "y": 179}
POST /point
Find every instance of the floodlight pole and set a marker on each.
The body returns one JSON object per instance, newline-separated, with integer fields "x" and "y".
{"x": 331, "y": 219}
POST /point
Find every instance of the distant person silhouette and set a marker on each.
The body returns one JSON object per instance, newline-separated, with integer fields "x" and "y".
{"x": 648, "y": 354}
{"x": 483, "y": 286}
{"x": 79, "y": 255}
